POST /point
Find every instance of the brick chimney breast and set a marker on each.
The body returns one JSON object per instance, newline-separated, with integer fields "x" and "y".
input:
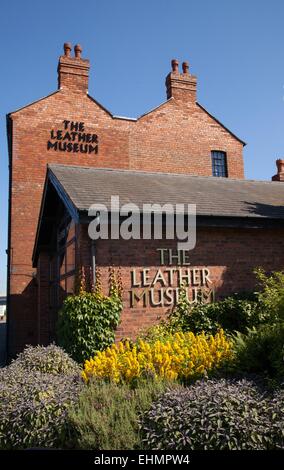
{"x": 73, "y": 72}
{"x": 280, "y": 170}
{"x": 181, "y": 86}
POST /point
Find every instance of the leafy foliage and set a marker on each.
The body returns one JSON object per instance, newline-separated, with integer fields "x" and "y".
{"x": 182, "y": 356}
{"x": 270, "y": 296}
{"x": 261, "y": 351}
{"x": 235, "y": 313}
{"x": 34, "y": 405}
{"x": 87, "y": 321}
{"x": 159, "y": 332}
{"x": 106, "y": 416}
{"x": 50, "y": 359}
{"x": 215, "y": 415}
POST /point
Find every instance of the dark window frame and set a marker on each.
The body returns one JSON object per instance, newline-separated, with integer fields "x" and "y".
{"x": 56, "y": 259}
{"x": 219, "y": 163}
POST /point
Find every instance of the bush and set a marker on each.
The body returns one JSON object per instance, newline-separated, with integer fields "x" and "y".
{"x": 235, "y": 313}
{"x": 277, "y": 417}
{"x": 214, "y": 415}
{"x": 34, "y": 406}
{"x": 50, "y": 359}
{"x": 87, "y": 321}
{"x": 106, "y": 416}
{"x": 270, "y": 297}
{"x": 182, "y": 356}
{"x": 261, "y": 351}
{"x": 159, "y": 332}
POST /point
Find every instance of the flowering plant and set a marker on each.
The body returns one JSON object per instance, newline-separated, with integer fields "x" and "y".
{"x": 87, "y": 321}
{"x": 181, "y": 356}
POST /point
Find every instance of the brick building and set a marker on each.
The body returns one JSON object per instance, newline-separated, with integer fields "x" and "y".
{"x": 67, "y": 152}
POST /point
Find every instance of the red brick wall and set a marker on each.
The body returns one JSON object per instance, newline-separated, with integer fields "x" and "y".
{"x": 176, "y": 137}
{"x": 229, "y": 254}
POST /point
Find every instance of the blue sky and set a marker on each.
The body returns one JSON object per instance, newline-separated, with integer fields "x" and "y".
{"x": 236, "y": 48}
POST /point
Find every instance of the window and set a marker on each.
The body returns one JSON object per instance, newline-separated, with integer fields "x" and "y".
{"x": 63, "y": 264}
{"x": 219, "y": 163}
{"x": 66, "y": 254}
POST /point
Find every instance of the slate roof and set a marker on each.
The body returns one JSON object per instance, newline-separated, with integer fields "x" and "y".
{"x": 219, "y": 197}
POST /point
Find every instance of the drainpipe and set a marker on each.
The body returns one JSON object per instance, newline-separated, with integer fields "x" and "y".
{"x": 93, "y": 247}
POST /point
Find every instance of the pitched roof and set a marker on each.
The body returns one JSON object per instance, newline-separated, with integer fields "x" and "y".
{"x": 218, "y": 197}
{"x": 125, "y": 118}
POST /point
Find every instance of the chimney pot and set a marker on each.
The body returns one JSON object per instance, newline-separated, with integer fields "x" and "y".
{"x": 73, "y": 72}
{"x": 185, "y": 68}
{"x": 280, "y": 170}
{"x": 67, "y": 49}
{"x": 181, "y": 86}
{"x": 175, "y": 66}
{"x": 78, "y": 51}
{"x": 280, "y": 165}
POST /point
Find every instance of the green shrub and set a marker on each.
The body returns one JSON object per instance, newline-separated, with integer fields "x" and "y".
{"x": 261, "y": 351}
{"x": 196, "y": 318}
{"x": 34, "y": 406}
{"x": 50, "y": 359}
{"x": 270, "y": 297}
{"x": 87, "y": 321}
{"x": 106, "y": 416}
{"x": 235, "y": 313}
{"x": 161, "y": 331}
{"x": 87, "y": 324}
{"x": 214, "y": 415}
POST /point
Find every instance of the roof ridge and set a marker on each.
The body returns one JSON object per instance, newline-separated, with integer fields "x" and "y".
{"x": 32, "y": 102}
{"x": 159, "y": 173}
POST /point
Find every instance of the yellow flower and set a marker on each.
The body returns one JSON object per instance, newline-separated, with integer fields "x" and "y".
{"x": 181, "y": 356}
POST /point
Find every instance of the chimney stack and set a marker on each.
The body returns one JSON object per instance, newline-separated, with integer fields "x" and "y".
{"x": 280, "y": 170}
{"x": 73, "y": 72}
{"x": 181, "y": 85}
